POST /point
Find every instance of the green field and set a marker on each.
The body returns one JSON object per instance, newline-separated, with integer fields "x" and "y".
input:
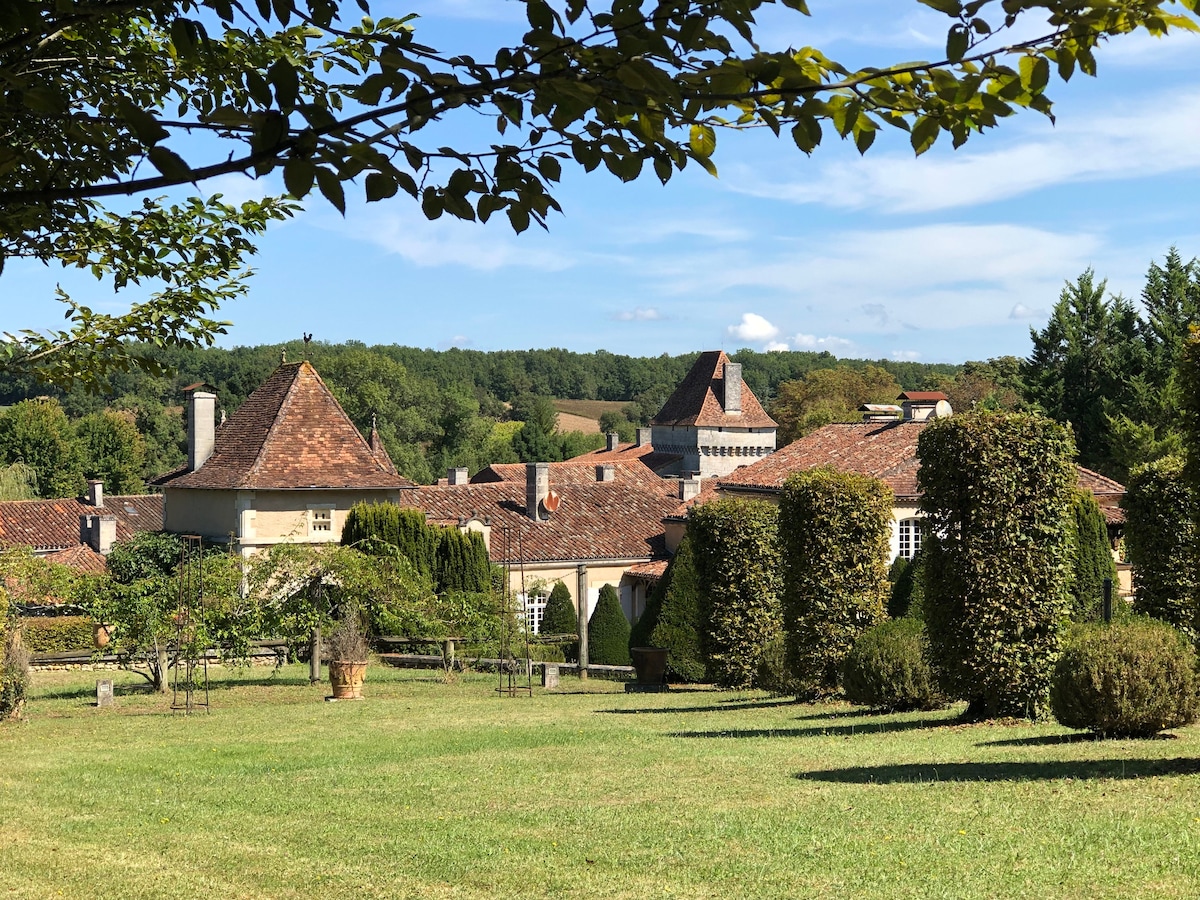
{"x": 436, "y": 789}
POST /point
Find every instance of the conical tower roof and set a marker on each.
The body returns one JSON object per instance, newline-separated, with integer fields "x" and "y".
{"x": 700, "y": 399}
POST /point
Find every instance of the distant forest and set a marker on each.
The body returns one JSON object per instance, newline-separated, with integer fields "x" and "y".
{"x": 1108, "y": 366}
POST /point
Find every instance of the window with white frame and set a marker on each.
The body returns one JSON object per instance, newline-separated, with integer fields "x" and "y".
{"x": 910, "y": 537}
{"x": 320, "y": 520}
{"x": 533, "y": 609}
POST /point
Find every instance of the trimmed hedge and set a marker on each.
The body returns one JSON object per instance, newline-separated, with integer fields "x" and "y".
{"x": 888, "y": 669}
{"x": 834, "y": 531}
{"x": 57, "y": 634}
{"x": 1133, "y": 678}
{"x": 559, "y": 617}
{"x": 735, "y": 546}
{"x": 773, "y": 674}
{"x": 608, "y": 631}
{"x": 908, "y": 588}
{"x": 677, "y": 627}
{"x": 997, "y": 490}
{"x": 1160, "y": 538}
{"x": 1093, "y": 559}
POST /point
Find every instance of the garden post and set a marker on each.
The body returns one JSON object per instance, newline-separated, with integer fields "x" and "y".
{"x": 581, "y": 594}
{"x": 314, "y": 656}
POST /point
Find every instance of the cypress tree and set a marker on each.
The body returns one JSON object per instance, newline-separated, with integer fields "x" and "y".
{"x": 559, "y": 616}
{"x": 678, "y": 617}
{"x": 608, "y": 631}
{"x": 1093, "y": 560}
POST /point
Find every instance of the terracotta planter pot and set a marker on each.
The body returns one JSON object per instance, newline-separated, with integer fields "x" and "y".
{"x": 346, "y": 679}
{"x": 650, "y": 663}
{"x": 100, "y": 636}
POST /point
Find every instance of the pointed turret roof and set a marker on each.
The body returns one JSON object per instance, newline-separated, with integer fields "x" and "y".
{"x": 291, "y": 434}
{"x": 700, "y": 399}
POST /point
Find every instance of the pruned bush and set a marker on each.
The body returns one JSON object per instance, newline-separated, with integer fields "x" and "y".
{"x": 1133, "y": 678}
{"x": 559, "y": 617}
{"x": 735, "y": 546}
{"x": 908, "y": 588}
{"x": 1160, "y": 540}
{"x": 997, "y": 490}
{"x": 675, "y": 605}
{"x": 57, "y": 634}
{"x": 834, "y": 530}
{"x": 887, "y": 668}
{"x": 773, "y": 674}
{"x": 1093, "y": 559}
{"x": 608, "y": 631}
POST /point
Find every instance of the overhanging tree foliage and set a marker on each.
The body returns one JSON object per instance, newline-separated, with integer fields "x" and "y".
{"x": 834, "y": 530}
{"x": 997, "y": 490}
{"x": 735, "y": 548}
{"x": 101, "y": 98}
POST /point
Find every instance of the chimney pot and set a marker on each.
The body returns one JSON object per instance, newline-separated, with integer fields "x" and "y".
{"x": 606, "y": 472}
{"x": 612, "y": 441}
{"x": 733, "y": 387}
{"x": 95, "y": 492}
{"x": 202, "y": 430}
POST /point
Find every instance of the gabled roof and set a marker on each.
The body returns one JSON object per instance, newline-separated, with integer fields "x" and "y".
{"x": 643, "y": 453}
{"x": 580, "y": 470}
{"x": 700, "y": 399}
{"x": 610, "y": 520}
{"x": 291, "y": 434}
{"x": 81, "y": 558}
{"x": 885, "y": 451}
{"x": 54, "y": 524}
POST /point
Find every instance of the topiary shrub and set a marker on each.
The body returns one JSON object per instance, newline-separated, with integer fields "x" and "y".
{"x": 57, "y": 634}
{"x": 1133, "y": 678}
{"x": 997, "y": 490}
{"x": 888, "y": 669}
{"x": 834, "y": 530}
{"x": 1160, "y": 540}
{"x": 1092, "y": 559}
{"x": 908, "y": 588}
{"x": 676, "y": 598}
{"x": 735, "y": 546}
{"x": 608, "y": 631}
{"x": 559, "y": 617}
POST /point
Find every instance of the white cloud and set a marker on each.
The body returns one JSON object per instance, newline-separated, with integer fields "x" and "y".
{"x": 459, "y": 340}
{"x": 638, "y": 315}
{"x": 776, "y": 347}
{"x": 830, "y": 342}
{"x": 1100, "y": 147}
{"x": 753, "y": 328}
{"x": 1021, "y": 311}
{"x": 906, "y": 355}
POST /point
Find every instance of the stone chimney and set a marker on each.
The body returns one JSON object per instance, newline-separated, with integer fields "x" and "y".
{"x": 612, "y": 441}
{"x": 606, "y": 472}
{"x": 688, "y": 488}
{"x": 537, "y": 486}
{"x": 95, "y": 492}
{"x": 643, "y": 436}
{"x": 733, "y": 387}
{"x": 202, "y": 429}
{"x": 98, "y": 532}
{"x": 457, "y": 476}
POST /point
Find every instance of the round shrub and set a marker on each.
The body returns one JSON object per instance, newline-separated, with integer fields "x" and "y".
{"x": 1133, "y": 678}
{"x": 887, "y": 668}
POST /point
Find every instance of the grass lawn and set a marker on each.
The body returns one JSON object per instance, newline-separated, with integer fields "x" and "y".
{"x": 433, "y": 789}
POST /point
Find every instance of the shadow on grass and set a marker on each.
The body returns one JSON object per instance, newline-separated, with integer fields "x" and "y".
{"x": 88, "y": 693}
{"x": 1048, "y": 770}
{"x": 866, "y": 728}
{"x": 1076, "y": 737}
{"x": 755, "y": 704}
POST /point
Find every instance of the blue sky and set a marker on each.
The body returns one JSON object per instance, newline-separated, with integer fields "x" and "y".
{"x": 945, "y": 258}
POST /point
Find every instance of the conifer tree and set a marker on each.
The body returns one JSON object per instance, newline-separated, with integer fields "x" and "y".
{"x": 608, "y": 631}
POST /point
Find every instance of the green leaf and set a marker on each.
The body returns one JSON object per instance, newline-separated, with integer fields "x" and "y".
{"x": 169, "y": 163}
{"x": 380, "y": 186}
{"x": 1035, "y": 73}
{"x": 924, "y": 134}
{"x": 286, "y": 83}
{"x": 331, "y": 187}
{"x": 949, "y": 7}
{"x": 550, "y": 168}
{"x": 958, "y": 39}
{"x": 298, "y": 175}
{"x": 703, "y": 140}
{"x": 518, "y": 216}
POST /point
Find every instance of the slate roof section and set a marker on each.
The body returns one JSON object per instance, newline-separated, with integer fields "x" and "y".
{"x": 614, "y": 520}
{"x": 884, "y": 451}
{"x": 700, "y": 399}
{"x": 291, "y": 434}
{"x": 54, "y": 524}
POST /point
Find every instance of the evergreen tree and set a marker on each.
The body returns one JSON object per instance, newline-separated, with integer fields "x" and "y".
{"x": 559, "y": 616}
{"x": 678, "y": 617}
{"x": 1093, "y": 559}
{"x": 608, "y": 631}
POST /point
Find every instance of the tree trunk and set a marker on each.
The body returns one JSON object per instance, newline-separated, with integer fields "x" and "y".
{"x": 314, "y": 657}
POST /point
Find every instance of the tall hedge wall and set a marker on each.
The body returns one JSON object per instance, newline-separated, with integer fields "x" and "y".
{"x": 997, "y": 489}
{"x": 453, "y": 561}
{"x": 1092, "y": 559}
{"x": 735, "y": 546}
{"x": 1160, "y": 538}
{"x": 834, "y": 539}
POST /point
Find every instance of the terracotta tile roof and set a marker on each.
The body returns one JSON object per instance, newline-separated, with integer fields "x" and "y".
{"x": 290, "y": 434}
{"x": 54, "y": 524}
{"x": 708, "y": 491}
{"x": 580, "y": 470}
{"x": 885, "y": 451}
{"x": 645, "y": 454}
{"x": 649, "y": 571}
{"x": 700, "y": 399}
{"x": 375, "y": 442}
{"x": 619, "y": 519}
{"x": 923, "y": 396}
{"x": 81, "y": 558}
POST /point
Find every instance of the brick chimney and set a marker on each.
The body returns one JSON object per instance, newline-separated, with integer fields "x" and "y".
{"x": 606, "y": 472}
{"x": 202, "y": 429}
{"x": 95, "y": 492}
{"x": 537, "y": 486}
{"x": 733, "y": 387}
{"x": 612, "y": 441}
{"x": 457, "y": 476}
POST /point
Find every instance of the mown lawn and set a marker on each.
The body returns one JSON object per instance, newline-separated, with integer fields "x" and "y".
{"x": 434, "y": 789}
